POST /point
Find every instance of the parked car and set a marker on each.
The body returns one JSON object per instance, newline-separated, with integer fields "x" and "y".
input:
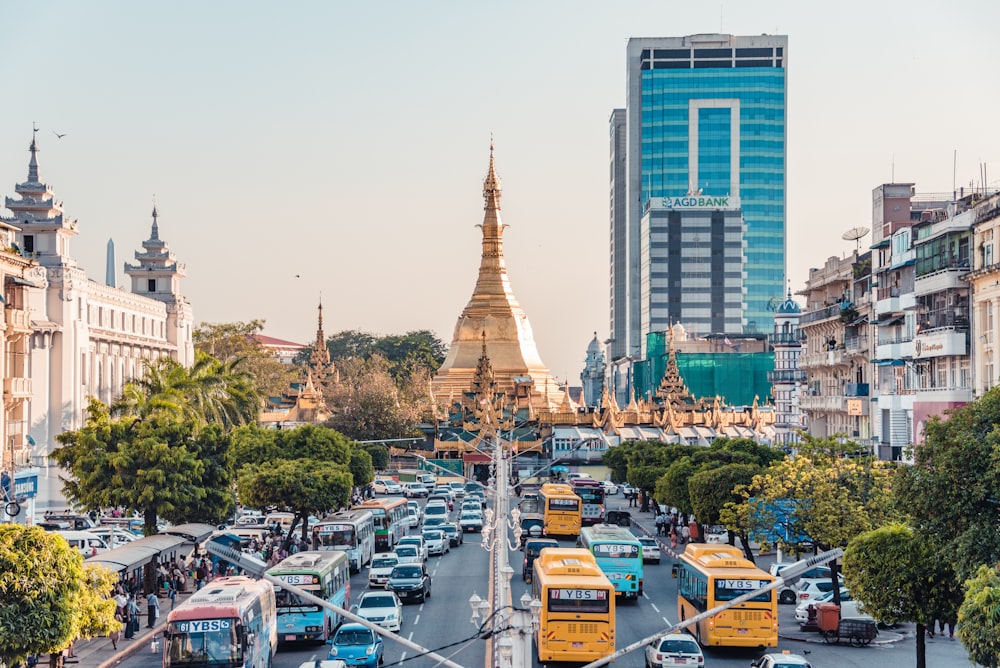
{"x": 716, "y": 533}
{"x": 410, "y": 582}
{"x": 409, "y": 554}
{"x": 357, "y": 645}
{"x": 610, "y": 488}
{"x": 810, "y": 588}
{"x": 437, "y": 541}
{"x": 650, "y": 550}
{"x": 848, "y": 606}
{"x": 455, "y": 534}
{"x": 674, "y": 649}
{"x": 414, "y": 490}
{"x": 418, "y": 542}
{"x": 788, "y": 592}
{"x": 382, "y": 565}
{"x": 471, "y": 520}
{"x": 386, "y": 486}
{"x": 575, "y": 475}
{"x": 380, "y": 607}
{"x": 784, "y": 659}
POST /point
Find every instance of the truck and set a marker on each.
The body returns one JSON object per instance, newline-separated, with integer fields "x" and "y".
{"x": 411, "y": 475}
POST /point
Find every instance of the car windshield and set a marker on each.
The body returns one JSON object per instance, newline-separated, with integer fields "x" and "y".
{"x": 679, "y": 645}
{"x": 433, "y": 535}
{"x": 406, "y": 551}
{"x": 377, "y": 602}
{"x": 406, "y": 572}
{"x": 435, "y": 521}
{"x": 471, "y": 516}
{"x": 648, "y": 542}
{"x": 384, "y": 562}
{"x": 354, "y": 637}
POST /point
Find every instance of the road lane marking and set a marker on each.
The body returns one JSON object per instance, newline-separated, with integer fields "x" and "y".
{"x": 653, "y": 606}
{"x": 416, "y": 620}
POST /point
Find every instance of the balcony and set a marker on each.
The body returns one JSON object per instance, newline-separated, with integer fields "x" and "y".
{"x": 17, "y": 388}
{"x": 787, "y": 376}
{"x": 786, "y": 337}
{"x": 856, "y": 344}
{"x": 856, "y": 390}
{"x": 894, "y": 349}
{"x": 17, "y": 321}
{"x": 826, "y": 313}
{"x": 823, "y": 403}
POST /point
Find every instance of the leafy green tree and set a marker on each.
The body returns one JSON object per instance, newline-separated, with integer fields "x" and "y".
{"x": 411, "y": 352}
{"x": 979, "y": 617}
{"x": 710, "y": 490}
{"x": 49, "y": 598}
{"x": 367, "y": 404}
{"x": 379, "y": 454}
{"x": 237, "y": 343}
{"x": 361, "y": 467}
{"x": 616, "y": 459}
{"x": 351, "y": 343}
{"x": 305, "y": 470}
{"x": 897, "y": 576}
{"x": 951, "y": 490}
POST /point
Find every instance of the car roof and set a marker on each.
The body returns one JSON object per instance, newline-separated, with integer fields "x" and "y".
{"x": 646, "y": 540}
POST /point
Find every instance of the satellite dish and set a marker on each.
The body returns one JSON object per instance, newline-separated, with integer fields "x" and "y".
{"x": 855, "y": 234}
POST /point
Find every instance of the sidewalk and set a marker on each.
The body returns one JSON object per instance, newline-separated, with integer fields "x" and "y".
{"x": 98, "y": 652}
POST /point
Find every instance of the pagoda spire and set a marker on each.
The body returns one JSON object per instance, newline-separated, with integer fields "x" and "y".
{"x": 319, "y": 360}
{"x": 33, "y": 163}
{"x": 154, "y": 235}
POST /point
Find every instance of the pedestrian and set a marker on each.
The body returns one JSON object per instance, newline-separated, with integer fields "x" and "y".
{"x": 173, "y": 597}
{"x": 116, "y": 633}
{"x": 152, "y": 609}
{"x": 132, "y": 618}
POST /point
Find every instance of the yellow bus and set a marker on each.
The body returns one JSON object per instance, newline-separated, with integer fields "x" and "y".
{"x": 563, "y": 510}
{"x": 578, "y": 606}
{"x": 709, "y": 575}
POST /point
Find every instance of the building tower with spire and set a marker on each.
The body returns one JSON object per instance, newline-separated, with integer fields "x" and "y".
{"x": 594, "y": 370}
{"x": 493, "y": 312}
{"x": 320, "y": 364}
{"x": 787, "y": 380}
{"x": 87, "y": 338}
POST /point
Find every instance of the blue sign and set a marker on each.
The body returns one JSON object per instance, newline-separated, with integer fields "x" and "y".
{"x": 777, "y": 522}
{"x": 26, "y": 485}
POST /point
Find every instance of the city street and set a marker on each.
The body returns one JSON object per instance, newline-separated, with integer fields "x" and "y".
{"x": 442, "y": 622}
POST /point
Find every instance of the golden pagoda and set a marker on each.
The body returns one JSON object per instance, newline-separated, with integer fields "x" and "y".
{"x": 493, "y": 314}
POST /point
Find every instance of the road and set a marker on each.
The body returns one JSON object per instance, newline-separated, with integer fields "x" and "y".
{"x": 443, "y": 624}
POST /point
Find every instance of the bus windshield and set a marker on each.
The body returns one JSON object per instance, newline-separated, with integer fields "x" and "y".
{"x": 559, "y": 504}
{"x": 727, "y": 590}
{"x": 616, "y": 550}
{"x": 210, "y": 642}
{"x": 335, "y": 535}
{"x": 286, "y": 601}
{"x": 578, "y": 600}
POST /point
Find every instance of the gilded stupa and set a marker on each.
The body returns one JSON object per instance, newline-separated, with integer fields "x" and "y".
{"x": 493, "y": 319}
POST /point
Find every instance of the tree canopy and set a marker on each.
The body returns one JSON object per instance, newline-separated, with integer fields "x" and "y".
{"x": 368, "y": 404}
{"x": 236, "y": 343}
{"x": 415, "y": 351}
{"x": 49, "y": 597}
{"x": 979, "y": 617}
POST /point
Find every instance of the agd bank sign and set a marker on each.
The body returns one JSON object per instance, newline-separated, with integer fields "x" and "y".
{"x": 694, "y": 202}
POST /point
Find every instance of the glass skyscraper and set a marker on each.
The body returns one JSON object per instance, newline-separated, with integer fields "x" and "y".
{"x": 705, "y": 115}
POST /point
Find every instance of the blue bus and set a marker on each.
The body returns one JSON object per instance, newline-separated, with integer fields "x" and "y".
{"x": 352, "y": 531}
{"x": 323, "y": 574}
{"x": 618, "y": 554}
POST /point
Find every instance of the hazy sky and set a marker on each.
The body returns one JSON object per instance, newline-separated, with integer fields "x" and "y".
{"x": 346, "y": 143}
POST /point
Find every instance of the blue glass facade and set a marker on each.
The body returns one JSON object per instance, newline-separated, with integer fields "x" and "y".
{"x": 677, "y": 109}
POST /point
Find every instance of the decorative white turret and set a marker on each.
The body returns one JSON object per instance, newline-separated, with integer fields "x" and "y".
{"x": 787, "y": 379}
{"x": 158, "y": 273}
{"x": 45, "y": 231}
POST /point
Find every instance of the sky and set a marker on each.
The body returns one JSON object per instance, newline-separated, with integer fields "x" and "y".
{"x": 336, "y": 150}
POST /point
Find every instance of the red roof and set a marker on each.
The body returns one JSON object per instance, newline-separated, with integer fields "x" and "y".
{"x": 271, "y": 342}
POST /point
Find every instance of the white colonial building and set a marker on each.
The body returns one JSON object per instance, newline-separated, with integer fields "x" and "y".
{"x": 87, "y": 338}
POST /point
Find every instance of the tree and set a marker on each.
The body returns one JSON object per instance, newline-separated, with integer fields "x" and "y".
{"x": 710, "y": 490}
{"x": 49, "y": 598}
{"x": 898, "y": 577}
{"x": 237, "y": 342}
{"x": 379, "y": 454}
{"x": 979, "y": 617}
{"x": 367, "y": 404}
{"x": 361, "y": 467}
{"x": 951, "y": 490}
{"x": 305, "y": 470}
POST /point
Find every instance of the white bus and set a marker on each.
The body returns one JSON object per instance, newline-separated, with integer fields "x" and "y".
{"x": 351, "y": 531}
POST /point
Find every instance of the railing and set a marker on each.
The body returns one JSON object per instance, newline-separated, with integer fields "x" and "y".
{"x": 856, "y": 343}
{"x": 904, "y": 338}
{"x": 943, "y": 318}
{"x": 17, "y": 388}
{"x": 856, "y": 390}
{"x": 832, "y": 311}
{"x": 18, "y": 319}
{"x": 787, "y": 337}
{"x": 787, "y": 376}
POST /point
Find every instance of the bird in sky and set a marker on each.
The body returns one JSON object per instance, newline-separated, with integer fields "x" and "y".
{"x": 60, "y": 136}
{"x": 298, "y": 276}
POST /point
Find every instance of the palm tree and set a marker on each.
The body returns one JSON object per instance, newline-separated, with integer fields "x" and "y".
{"x": 208, "y": 392}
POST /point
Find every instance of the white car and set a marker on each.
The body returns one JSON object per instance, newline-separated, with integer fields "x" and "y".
{"x": 121, "y": 536}
{"x": 674, "y": 649}
{"x": 437, "y": 541}
{"x": 471, "y": 520}
{"x": 416, "y": 541}
{"x": 409, "y": 554}
{"x": 382, "y": 565}
{"x": 810, "y": 588}
{"x": 609, "y": 487}
{"x": 849, "y": 608}
{"x": 386, "y": 486}
{"x": 717, "y": 534}
{"x": 435, "y": 510}
{"x": 413, "y": 515}
{"x": 783, "y": 660}
{"x": 380, "y": 607}
{"x": 650, "y": 550}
